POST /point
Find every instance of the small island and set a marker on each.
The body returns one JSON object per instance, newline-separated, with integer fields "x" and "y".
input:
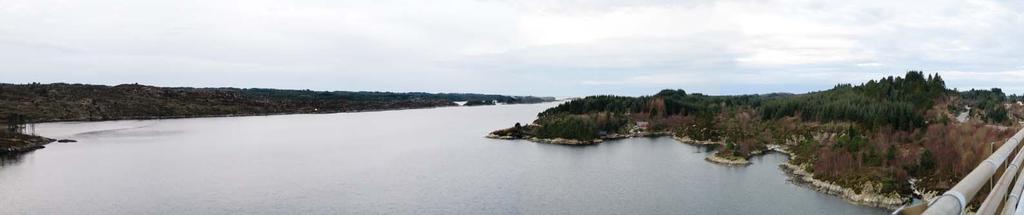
{"x": 863, "y": 142}
{"x": 13, "y": 142}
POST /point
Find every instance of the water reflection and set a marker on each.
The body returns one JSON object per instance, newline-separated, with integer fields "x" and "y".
{"x": 10, "y": 159}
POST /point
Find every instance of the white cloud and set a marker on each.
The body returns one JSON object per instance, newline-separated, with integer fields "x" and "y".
{"x": 553, "y": 47}
{"x": 984, "y": 80}
{"x": 680, "y": 79}
{"x": 871, "y": 64}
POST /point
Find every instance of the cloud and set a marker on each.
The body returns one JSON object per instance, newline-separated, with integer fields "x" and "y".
{"x": 871, "y": 64}
{"x": 1009, "y": 80}
{"x": 541, "y": 47}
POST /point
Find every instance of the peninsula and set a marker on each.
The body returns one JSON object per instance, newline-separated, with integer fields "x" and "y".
{"x": 866, "y": 142}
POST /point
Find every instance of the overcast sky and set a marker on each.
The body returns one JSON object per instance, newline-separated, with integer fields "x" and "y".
{"x": 524, "y": 47}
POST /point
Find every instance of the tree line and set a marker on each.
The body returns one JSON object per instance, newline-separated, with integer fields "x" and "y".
{"x": 57, "y": 102}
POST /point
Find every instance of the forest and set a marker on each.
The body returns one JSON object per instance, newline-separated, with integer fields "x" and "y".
{"x": 78, "y": 102}
{"x": 884, "y": 131}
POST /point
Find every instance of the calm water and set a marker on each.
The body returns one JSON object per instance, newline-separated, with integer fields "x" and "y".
{"x": 427, "y": 161}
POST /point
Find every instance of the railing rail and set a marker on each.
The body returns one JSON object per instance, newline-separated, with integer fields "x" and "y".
{"x": 996, "y": 196}
{"x": 1013, "y": 200}
{"x": 955, "y": 200}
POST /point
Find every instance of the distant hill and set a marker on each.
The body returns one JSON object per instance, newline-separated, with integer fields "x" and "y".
{"x": 63, "y": 102}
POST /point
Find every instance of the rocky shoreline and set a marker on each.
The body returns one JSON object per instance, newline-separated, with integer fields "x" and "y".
{"x": 715, "y": 157}
{"x": 14, "y": 143}
{"x": 563, "y": 141}
{"x": 869, "y": 195}
{"x": 687, "y": 140}
{"x": 926, "y": 196}
{"x": 738, "y": 161}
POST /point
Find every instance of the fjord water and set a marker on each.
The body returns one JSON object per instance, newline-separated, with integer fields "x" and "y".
{"x": 424, "y": 161}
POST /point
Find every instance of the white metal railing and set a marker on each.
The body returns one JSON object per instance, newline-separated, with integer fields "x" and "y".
{"x": 1013, "y": 200}
{"x": 955, "y": 200}
{"x": 995, "y": 197}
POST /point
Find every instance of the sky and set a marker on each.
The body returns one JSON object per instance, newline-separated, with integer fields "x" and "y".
{"x": 522, "y": 47}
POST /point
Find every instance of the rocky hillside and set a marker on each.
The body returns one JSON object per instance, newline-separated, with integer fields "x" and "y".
{"x": 63, "y": 102}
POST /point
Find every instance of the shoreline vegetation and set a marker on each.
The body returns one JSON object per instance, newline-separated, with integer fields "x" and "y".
{"x": 877, "y": 143}
{"x": 22, "y": 104}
